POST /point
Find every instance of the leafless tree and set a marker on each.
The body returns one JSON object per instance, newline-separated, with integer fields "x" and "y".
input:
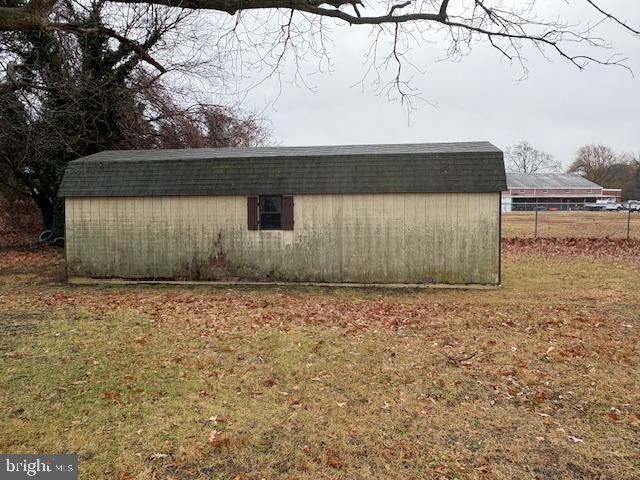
{"x": 633, "y": 189}
{"x": 80, "y": 94}
{"x": 159, "y": 121}
{"x": 595, "y": 163}
{"x": 602, "y": 165}
{"x": 524, "y": 158}
{"x": 276, "y": 28}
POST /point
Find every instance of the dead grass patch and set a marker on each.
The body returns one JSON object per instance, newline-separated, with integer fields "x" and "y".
{"x": 570, "y": 224}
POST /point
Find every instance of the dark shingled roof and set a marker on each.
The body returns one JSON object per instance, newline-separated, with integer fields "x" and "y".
{"x": 409, "y": 168}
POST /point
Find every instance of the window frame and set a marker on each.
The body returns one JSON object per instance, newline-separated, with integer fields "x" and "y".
{"x": 278, "y": 212}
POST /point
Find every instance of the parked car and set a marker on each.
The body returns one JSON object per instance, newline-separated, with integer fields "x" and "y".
{"x": 606, "y": 206}
{"x": 633, "y": 205}
{"x": 614, "y": 206}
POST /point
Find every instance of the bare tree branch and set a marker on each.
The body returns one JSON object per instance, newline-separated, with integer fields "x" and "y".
{"x": 140, "y": 50}
{"x": 398, "y": 6}
{"x": 508, "y": 26}
{"x": 614, "y": 18}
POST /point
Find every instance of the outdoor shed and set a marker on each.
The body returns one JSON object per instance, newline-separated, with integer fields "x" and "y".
{"x": 418, "y": 213}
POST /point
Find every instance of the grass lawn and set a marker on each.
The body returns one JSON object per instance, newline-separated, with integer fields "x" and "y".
{"x": 540, "y": 379}
{"x": 571, "y": 224}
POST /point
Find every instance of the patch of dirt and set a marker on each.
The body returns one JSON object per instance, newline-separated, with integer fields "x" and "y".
{"x": 14, "y": 323}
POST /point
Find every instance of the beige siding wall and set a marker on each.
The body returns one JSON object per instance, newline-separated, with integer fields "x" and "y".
{"x": 408, "y": 238}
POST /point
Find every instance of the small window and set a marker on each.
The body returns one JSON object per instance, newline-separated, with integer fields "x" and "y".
{"x": 523, "y": 190}
{"x": 270, "y": 213}
{"x": 567, "y": 191}
{"x": 545, "y": 191}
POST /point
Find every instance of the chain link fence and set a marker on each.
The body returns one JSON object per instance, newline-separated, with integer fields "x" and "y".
{"x": 566, "y": 219}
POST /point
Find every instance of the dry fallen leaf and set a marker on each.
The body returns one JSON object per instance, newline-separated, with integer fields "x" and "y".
{"x": 540, "y": 396}
{"x": 614, "y": 415}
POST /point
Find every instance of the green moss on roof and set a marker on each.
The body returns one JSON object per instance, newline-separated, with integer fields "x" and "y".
{"x": 411, "y": 168}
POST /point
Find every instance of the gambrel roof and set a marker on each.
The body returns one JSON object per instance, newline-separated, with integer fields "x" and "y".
{"x": 403, "y": 168}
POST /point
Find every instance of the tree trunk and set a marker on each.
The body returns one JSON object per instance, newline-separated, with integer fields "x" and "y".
{"x": 58, "y": 218}
{"x": 45, "y": 205}
{"x": 20, "y": 19}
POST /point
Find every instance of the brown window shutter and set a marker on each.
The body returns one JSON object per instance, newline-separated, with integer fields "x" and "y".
{"x": 287, "y": 212}
{"x": 252, "y": 213}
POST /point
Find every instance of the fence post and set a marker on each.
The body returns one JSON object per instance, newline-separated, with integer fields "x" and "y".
{"x": 629, "y": 223}
{"x": 535, "y": 234}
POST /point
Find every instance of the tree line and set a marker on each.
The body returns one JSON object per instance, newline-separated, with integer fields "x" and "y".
{"x": 598, "y": 163}
{"x": 84, "y": 94}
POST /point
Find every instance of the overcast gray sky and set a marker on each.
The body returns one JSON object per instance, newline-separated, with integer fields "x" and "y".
{"x": 557, "y": 108}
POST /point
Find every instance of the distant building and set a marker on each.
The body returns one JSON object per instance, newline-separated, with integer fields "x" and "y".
{"x": 561, "y": 191}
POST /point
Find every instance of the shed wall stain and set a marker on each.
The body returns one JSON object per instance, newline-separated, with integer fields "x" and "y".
{"x": 364, "y": 238}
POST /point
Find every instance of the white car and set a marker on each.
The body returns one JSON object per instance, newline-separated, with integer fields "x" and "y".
{"x": 610, "y": 206}
{"x": 606, "y": 206}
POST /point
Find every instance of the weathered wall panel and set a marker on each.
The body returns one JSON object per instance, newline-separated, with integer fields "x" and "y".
{"x": 372, "y": 238}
